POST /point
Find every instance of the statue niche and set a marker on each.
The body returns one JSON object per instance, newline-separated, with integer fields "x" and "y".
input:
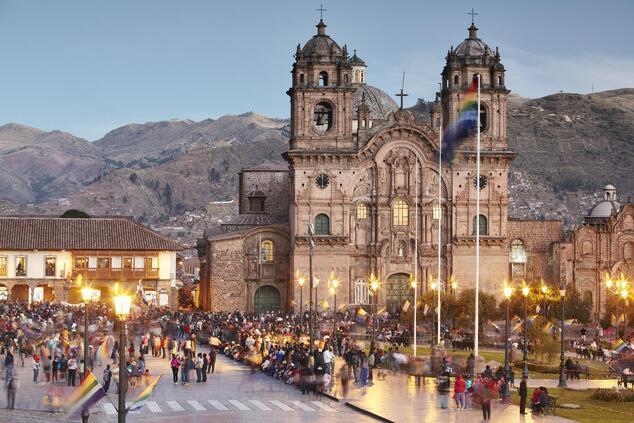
{"x": 401, "y": 162}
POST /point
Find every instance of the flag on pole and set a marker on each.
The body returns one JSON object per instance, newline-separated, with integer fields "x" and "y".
{"x": 87, "y": 394}
{"x": 496, "y": 327}
{"x": 538, "y": 309}
{"x": 142, "y": 291}
{"x": 361, "y": 312}
{"x": 426, "y": 309}
{"x": 406, "y": 306}
{"x": 143, "y": 396}
{"x": 465, "y": 126}
{"x": 548, "y": 327}
{"x": 613, "y": 320}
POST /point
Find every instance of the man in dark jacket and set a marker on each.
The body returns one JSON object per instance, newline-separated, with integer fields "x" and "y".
{"x": 523, "y": 394}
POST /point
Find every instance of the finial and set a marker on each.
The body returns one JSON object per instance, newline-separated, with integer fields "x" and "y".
{"x": 473, "y": 32}
{"x": 321, "y": 27}
{"x": 473, "y": 15}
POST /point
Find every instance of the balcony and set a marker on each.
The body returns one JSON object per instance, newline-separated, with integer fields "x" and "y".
{"x": 95, "y": 273}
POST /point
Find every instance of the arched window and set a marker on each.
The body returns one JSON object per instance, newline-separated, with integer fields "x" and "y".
{"x": 484, "y": 118}
{"x": 400, "y": 213}
{"x": 587, "y": 248}
{"x": 499, "y": 79}
{"x": 301, "y": 78}
{"x": 362, "y": 211}
{"x": 322, "y": 118}
{"x": 361, "y": 292}
{"x": 481, "y": 223}
{"x": 587, "y": 297}
{"x": 322, "y": 224}
{"x": 266, "y": 250}
{"x": 456, "y": 79}
{"x": 323, "y": 79}
{"x": 628, "y": 251}
{"x": 345, "y": 79}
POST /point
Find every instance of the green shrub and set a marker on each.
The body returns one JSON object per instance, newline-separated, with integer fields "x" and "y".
{"x": 613, "y": 395}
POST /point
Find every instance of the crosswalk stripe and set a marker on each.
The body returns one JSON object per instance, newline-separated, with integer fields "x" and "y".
{"x": 196, "y": 405}
{"x": 239, "y": 405}
{"x": 323, "y": 406}
{"x": 303, "y": 406}
{"x": 175, "y": 406}
{"x": 281, "y": 405}
{"x": 109, "y": 408}
{"x": 154, "y": 407}
{"x": 218, "y": 405}
{"x": 260, "y": 405}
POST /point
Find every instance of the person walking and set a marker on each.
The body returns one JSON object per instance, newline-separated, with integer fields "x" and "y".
{"x": 72, "y": 371}
{"x": 12, "y": 389}
{"x": 48, "y": 367}
{"x": 205, "y": 369}
{"x": 9, "y": 361}
{"x": 107, "y": 377}
{"x": 175, "y": 365}
{"x": 55, "y": 369}
{"x": 460, "y": 387}
{"x": 523, "y": 392}
{"x": 212, "y": 360}
{"x": 443, "y": 387}
{"x": 198, "y": 365}
{"x": 36, "y": 367}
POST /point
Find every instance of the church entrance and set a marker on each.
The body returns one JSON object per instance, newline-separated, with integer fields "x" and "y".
{"x": 397, "y": 291}
{"x": 266, "y": 298}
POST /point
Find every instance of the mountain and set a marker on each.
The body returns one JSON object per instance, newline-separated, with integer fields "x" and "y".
{"x": 37, "y": 165}
{"x": 143, "y": 145}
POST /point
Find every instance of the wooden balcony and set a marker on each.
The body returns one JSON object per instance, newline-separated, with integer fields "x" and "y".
{"x": 94, "y": 273}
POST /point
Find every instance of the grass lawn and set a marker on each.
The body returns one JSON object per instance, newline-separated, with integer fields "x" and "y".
{"x": 591, "y": 411}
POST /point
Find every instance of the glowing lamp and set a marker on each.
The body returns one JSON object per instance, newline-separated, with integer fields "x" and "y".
{"x": 332, "y": 290}
{"x": 122, "y": 305}
{"x": 544, "y": 289}
{"x": 624, "y": 293}
{"x": 433, "y": 286}
{"x": 508, "y": 291}
{"x": 525, "y": 291}
{"x": 562, "y": 292}
{"x": 300, "y": 281}
{"x": 86, "y": 294}
{"x": 335, "y": 283}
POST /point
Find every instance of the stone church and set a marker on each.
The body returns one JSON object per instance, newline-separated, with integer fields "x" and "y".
{"x": 364, "y": 173}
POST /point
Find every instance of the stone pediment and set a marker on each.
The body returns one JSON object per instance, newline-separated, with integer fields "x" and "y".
{"x": 401, "y": 127}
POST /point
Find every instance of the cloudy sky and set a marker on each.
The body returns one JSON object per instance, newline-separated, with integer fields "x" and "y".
{"x": 88, "y": 66}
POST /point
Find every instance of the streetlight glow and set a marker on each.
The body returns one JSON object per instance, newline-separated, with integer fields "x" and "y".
{"x": 624, "y": 293}
{"x": 122, "y": 305}
{"x": 508, "y": 291}
{"x": 86, "y": 293}
{"x": 544, "y": 289}
{"x": 525, "y": 291}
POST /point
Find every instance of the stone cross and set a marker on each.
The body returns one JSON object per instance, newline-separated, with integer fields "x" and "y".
{"x": 321, "y": 11}
{"x": 473, "y": 15}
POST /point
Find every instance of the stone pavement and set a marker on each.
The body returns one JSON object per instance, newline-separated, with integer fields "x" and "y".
{"x": 232, "y": 394}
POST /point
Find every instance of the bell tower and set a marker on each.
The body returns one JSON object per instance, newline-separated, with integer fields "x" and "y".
{"x": 321, "y": 95}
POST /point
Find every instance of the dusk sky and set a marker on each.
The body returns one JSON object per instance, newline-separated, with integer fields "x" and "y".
{"x": 89, "y": 66}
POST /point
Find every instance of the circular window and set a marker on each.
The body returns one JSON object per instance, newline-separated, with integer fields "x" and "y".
{"x": 322, "y": 117}
{"x": 322, "y": 181}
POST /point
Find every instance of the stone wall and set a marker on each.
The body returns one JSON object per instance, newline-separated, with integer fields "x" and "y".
{"x": 274, "y": 184}
{"x": 227, "y": 275}
{"x": 538, "y": 236}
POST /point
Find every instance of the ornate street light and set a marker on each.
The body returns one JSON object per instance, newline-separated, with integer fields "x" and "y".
{"x": 122, "y": 305}
{"x": 334, "y": 284}
{"x": 508, "y": 292}
{"x": 544, "y": 290}
{"x": 300, "y": 282}
{"x": 562, "y": 379}
{"x": 525, "y": 292}
{"x": 374, "y": 287}
{"x": 86, "y": 295}
{"x": 620, "y": 290}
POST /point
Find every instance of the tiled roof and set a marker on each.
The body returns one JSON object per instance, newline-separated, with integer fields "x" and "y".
{"x": 100, "y": 233}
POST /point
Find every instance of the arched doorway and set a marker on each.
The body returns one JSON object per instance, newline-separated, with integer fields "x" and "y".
{"x": 42, "y": 293}
{"x": 20, "y": 292}
{"x": 266, "y": 298}
{"x": 397, "y": 291}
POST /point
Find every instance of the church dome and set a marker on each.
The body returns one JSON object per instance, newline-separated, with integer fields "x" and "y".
{"x": 605, "y": 208}
{"x": 472, "y": 46}
{"x": 321, "y": 46}
{"x": 379, "y": 103}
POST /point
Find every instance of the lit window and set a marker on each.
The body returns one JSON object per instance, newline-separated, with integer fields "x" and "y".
{"x": 400, "y": 213}
{"x": 3, "y": 266}
{"x": 20, "y": 266}
{"x": 482, "y": 224}
{"x": 361, "y": 292}
{"x": 266, "y": 250}
{"x": 322, "y": 224}
{"x": 362, "y": 211}
{"x": 323, "y": 79}
{"x": 50, "y": 266}
{"x": 81, "y": 262}
{"x": 127, "y": 262}
{"x": 103, "y": 262}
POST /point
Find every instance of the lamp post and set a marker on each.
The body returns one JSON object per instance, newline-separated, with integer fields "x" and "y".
{"x": 433, "y": 286}
{"x": 620, "y": 290}
{"x": 300, "y": 282}
{"x": 374, "y": 286}
{"x": 311, "y": 246}
{"x": 562, "y": 379}
{"x": 316, "y": 303}
{"x": 544, "y": 290}
{"x": 525, "y": 292}
{"x": 86, "y": 295}
{"x": 333, "y": 290}
{"x": 122, "y": 304}
{"x": 624, "y": 295}
{"x": 412, "y": 281}
{"x": 508, "y": 292}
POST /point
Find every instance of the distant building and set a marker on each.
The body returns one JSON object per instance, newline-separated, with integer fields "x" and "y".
{"x": 41, "y": 258}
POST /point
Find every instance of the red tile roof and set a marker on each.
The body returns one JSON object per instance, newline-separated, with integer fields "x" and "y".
{"x": 98, "y": 233}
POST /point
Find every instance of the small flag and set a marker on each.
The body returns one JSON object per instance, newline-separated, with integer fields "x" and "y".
{"x": 143, "y": 396}
{"x": 496, "y": 327}
{"x": 426, "y": 309}
{"x": 516, "y": 326}
{"x": 142, "y": 291}
{"x": 548, "y": 327}
{"x": 87, "y": 394}
{"x": 538, "y": 309}
{"x": 406, "y": 306}
{"x": 361, "y": 312}
{"x": 104, "y": 350}
{"x": 619, "y": 345}
{"x": 613, "y": 320}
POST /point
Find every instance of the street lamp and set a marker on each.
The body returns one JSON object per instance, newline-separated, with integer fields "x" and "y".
{"x": 544, "y": 290}
{"x": 333, "y": 290}
{"x": 525, "y": 292}
{"x": 374, "y": 286}
{"x": 316, "y": 302}
{"x": 122, "y": 305}
{"x": 624, "y": 295}
{"x": 620, "y": 290}
{"x": 562, "y": 379}
{"x": 508, "y": 292}
{"x": 300, "y": 282}
{"x": 433, "y": 286}
{"x": 86, "y": 295}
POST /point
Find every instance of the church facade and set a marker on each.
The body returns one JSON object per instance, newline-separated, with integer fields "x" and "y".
{"x": 365, "y": 174}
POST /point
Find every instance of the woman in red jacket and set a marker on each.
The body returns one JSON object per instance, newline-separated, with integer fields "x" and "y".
{"x": 459, "y": 389}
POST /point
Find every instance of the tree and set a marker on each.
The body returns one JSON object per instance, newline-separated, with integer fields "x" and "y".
{"x": 464, "y": 308}
{"x": 75, "y": 214}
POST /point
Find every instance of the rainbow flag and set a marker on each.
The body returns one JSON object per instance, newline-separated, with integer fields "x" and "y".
{"x": 548, "y": 327}
{"x": 104, "y": 350}
{"x": 619, "y": 345}
{"x": 465, "y": 126}
{"x": 143, "y": 396}
{"x": 87, "y": 394}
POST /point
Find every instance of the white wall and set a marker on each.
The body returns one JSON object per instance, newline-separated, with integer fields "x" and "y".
{"x": 167, "y": 265}
{"x": 35, "y": 263}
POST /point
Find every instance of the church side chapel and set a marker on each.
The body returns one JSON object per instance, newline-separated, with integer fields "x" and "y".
{"x": 365, "y": 174}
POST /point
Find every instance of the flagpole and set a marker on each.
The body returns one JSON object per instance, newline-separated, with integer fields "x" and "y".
{"x": 416, "y": 261}
{"x": 439, "y": 216}
{"x": 477, "y": 228}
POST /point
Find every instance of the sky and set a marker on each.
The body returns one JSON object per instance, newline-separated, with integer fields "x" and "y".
{"x": 89, "y": 66}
